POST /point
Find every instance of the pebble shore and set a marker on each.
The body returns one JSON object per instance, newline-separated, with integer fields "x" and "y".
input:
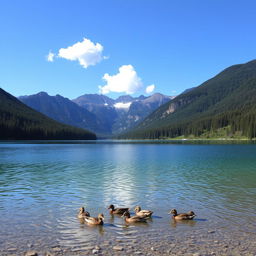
{"x": 195, "y": 245}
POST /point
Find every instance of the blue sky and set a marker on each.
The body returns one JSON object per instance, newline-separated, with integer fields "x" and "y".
{"x": 172, "y": 45}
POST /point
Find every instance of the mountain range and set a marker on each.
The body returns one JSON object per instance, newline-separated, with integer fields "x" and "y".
{"x": 223, "y": 106}
{"x": 98, "y": 113}
{"x": 18, "y": 121}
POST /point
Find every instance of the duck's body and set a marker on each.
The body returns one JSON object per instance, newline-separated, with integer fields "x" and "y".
{"x": 113, "y": 210}
{"x": 82, "y": 213}
{"x": 182, "y": 216}
{"x": 142, "y": 213}
{"x": 133, "y": 219}
{"x": 95, "y": 220}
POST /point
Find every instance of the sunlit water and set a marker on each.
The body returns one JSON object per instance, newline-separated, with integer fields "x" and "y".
{"x": 43, "y": 185}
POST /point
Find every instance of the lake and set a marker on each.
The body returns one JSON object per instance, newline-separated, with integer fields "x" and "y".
{"x": 43, "y": 184}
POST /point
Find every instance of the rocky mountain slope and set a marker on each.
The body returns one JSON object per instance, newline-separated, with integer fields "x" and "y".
{"x": 227, "y": 100}
{"x": 123, "y": 113}
{"x": 98, "y": 113}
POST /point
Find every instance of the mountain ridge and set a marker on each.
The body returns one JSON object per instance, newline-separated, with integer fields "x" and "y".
{"x": 62, "y": 110}
{"x": 18, "y": 121}
{"x": 104, "y": 115}
{"x": 208, "y": 106}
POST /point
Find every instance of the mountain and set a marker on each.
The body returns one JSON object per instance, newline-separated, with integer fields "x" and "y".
{"x": 18, "y": 121}
{"x": 93, "y": 99}
{"x": 124, "y": 99}
{"x": 224, "y": 104}
{"x": 123, "y": 113}
{"x": 63, "y": 110}
{"x": 102, "y": 107}
{"x": 137, "y": 111}
{"x": 97, "y": 113}
{"x": 188, "y": 90}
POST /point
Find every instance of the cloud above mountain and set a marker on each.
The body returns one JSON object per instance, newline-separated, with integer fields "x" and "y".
{"x": 150, "y": 88}
{"x": 88, "y": 53}
{"x": 125, "y": 81}
{"x": 85, "y": 52}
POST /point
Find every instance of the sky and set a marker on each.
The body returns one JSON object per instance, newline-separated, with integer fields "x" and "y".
{"x": 118, "y": 47}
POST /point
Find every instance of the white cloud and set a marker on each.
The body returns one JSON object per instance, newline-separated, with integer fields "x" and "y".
{"x": 123, "y": 105}
{"x": 50, "y": 56}
{"x": 86, "y": 53}
{"x": 150, "y": 88}
{"x": 126, "y": 81}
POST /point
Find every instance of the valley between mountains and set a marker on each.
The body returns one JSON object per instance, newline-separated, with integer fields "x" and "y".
{"x": 97, "y": 113}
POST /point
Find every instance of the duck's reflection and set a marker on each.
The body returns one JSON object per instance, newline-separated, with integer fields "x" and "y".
{"x": 174, "y": 223}
{"x": 91, "y": 228}
{"x": 141, "y": 224}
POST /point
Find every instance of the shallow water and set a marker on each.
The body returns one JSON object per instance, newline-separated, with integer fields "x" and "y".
{"x": 43, "y": 185}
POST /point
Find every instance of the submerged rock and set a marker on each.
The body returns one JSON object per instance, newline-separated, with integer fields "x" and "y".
{"x": 95, "y": 251}
{"x": 31, "y": 253}
{"x": 118, "y": 248}
{"x": 48, "y": 254}
{"x": 56, "y": 249}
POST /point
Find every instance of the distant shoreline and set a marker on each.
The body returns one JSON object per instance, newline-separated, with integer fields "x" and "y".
{"x": 136, "y": 141}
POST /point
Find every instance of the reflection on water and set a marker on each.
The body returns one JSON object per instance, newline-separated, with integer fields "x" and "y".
{"x": 43, "y": 185}
{"x": 175, "y": 223}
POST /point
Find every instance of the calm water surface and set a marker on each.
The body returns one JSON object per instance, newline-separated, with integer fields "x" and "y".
{"x": 43, "y": 185}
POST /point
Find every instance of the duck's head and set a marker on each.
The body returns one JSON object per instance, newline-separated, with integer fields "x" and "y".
{"x": 112, "y": 207}
{"x": 81, "y": 210}
{"x": 137, "y": 208}
{"x": 126, "y": 214}
{"x": 101, "y": 216}
{"x": 173, "y": 211}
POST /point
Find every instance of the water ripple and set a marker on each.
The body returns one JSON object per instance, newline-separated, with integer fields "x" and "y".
{"x": 42, "y": 186}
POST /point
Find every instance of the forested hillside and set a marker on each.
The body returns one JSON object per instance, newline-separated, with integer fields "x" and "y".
{"x": 18, "y": 121}
{"x": 226, "y": 101}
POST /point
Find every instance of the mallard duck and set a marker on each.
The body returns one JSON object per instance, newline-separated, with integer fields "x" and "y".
{"x": 142, "y": 213}
{"x": 82, "y": 213}
{"x": 133, "y": 219}
{"x": 114, "y": 210}
{"x": 95, "y": 220}
{"x": 182, "y": 216}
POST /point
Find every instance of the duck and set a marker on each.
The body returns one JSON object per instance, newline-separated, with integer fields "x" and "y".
{"x": 82, "y": 213}
{"x": 114, "y": 210}
{"x": 95, "y": 220}
{"x": 182, "y": 216}
{"x": 133, "y": 219}
{"x": 142, "y": 213}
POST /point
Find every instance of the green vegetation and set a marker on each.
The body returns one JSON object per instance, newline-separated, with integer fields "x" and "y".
{"x": 222, "y": 106}
{"x": 17, "y": 121}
